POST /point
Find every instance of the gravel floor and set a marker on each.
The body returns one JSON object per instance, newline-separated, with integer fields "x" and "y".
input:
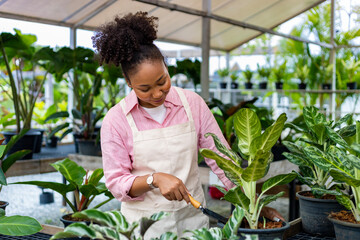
{"x": 25, "y": 200}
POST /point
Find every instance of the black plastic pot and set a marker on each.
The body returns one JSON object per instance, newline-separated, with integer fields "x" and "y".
{"x": 279, "y": 85}
{"x": 263, "y": 234}
{"x": 27, "y": 142}
{"x": 278, "y": 150}
{"x": 326, "y": 86}
{"x": 52, "y": 142}
{"x": 346, "y": 230}
{"x": 39, "y": 139}
{"x": 223, "y": 85}
{"x": 234, "y": 85}
{"x": 351, "y": 85}
{"x": 68, "y": 222}
{"x": 302, "y": 86}
{"x": 3, "y": 204}
{"x": 89, "y": 147}
{"x": 314, "y": 214}
{"x": 262, "y": 85}
{"x": 248, "y": 85}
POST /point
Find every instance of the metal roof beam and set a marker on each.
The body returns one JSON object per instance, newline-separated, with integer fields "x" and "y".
{"x": 175, "y": 7}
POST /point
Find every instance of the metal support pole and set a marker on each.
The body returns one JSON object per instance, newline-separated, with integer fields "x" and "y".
{"x": 71, "y": 99}
{"x": 333, "y": 61}
{"x": 205, "y": 51}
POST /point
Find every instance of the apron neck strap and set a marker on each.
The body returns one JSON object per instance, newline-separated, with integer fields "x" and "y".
{"x": 129, "y": 117}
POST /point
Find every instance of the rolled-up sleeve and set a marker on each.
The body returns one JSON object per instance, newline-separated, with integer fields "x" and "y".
{"x": 209, "y": 124}
{"x": 117, "y": 163}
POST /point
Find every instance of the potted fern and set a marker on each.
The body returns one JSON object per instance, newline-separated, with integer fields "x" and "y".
{"x": 248, "y": 76}
{"x": 223, "y": 74}
{"x": 264, "y": 74}
{"x": 279, "y": 74}
{"x": 234, "y": 77}
{"x": 255, "y": 146}
{"x": 302, "y": 73}
{"x": 352, "y": 67}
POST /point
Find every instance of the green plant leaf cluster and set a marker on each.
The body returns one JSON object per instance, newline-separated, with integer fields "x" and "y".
{"x": 18, "y": 225}
{"x": 255, "y": 146}
{"x": 315, "y": 152}
{"x": 85, "y": 187}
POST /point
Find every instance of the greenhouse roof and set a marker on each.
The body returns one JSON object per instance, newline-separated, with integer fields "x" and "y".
{"x": 174, "y": 26}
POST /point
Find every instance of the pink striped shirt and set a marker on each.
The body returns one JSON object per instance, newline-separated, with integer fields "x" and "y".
{"x": 117, "y": 139}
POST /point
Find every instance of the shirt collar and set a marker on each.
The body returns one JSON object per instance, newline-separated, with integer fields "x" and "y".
{"x": 132, "y": 101}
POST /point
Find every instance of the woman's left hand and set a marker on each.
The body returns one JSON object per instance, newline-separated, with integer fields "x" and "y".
{"x": 271, "y": 214}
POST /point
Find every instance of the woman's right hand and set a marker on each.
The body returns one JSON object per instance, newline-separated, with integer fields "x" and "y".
{"x": 171, "y": 187}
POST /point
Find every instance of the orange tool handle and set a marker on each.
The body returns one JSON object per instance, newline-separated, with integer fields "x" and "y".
{"x": 195, "y": 203}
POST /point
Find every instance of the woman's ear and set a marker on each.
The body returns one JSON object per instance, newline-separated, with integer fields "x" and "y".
{"x": 128, "y": 83}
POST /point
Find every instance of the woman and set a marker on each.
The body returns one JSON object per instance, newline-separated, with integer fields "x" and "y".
{"x": 150, "y": 140}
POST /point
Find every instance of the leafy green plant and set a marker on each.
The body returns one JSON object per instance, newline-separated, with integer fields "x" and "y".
{"x": 223, "y": 73}
{"x": 255, "y": 147}
{"x": 191, "y": 69}
{"x": 319, "y": 136}
{"x": 279, "y": 72}
{"x": 248, "y": 74}
{"x": 109, "y": 225}
{"x": 302, "y": 73}
{"x": 352, "y": 67}
{"x": 85, "y": 186}
{"x": 234, "y": 76}
{"x": 263, "y": 72}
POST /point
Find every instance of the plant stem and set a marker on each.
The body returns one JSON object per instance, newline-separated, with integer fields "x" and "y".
{"x": 70, "y": 204}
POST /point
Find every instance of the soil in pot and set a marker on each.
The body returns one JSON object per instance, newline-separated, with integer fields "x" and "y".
{"x": 3, "y": 204}
{"x": 346, "y": 227}
{"x": 68, "y": 219}
{"x": 314, "y": 212}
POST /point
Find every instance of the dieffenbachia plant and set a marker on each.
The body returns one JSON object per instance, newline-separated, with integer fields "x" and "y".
{"x": 255, "y": 146}
{"x": 308, "y": 152}
{"x": 345, "y": 168}
{"x": 109, "y": 225}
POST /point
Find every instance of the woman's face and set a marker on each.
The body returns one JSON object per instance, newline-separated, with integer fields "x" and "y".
{"x": 151, "y": 83}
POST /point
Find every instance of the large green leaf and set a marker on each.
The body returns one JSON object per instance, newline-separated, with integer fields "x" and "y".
{"x": 10, "y": 160}
{"x": 80, "y": 230}
{"x": 318, "y": 191}
{"x": 345, "y": 201}
{"x": 57, "y": 187}
{"x": 342, "y": 120}
{"x": 297, "y": 160}
{"x": 292, "y": 147}
{"x": 96, "y": 176}
{"x": 343, "y": 177}
{"x": 2, "y": 178}
{"x": 146, "y": 223}
{"x": 107, "y": 232}
{"x": 355, "y": 161}
{"x": 257, "y": 168}
{"x": 208, "y": 234}
{"x": 57, "y": 129}
{"x": 270, "y": 136}
{"x": 230, "y": 229}
{"x": 320, "y": 132}
{"x": 277, "y": 180}
{"x": 232, "y": 172}
{"x": 89, "y": 190}
{"x": 312, "y": 116}
{"x": 70, "y": 170}
{"x": 357, "y": 136}
{"x": 167, "y": 236}
{"x": 2, "y": 150}
{"x": 237, "y": 197}
{"x": 268, "y": 199}
{"x": 334, "y": 136}
{"x": 347, "y": 131}
{"x": 224, "y": 150}
{"x": 97, "y": 216}
{"x": 19, "y": 225}
{"x": 247, "y": 127}
{"x": 318, "y": 157}
{"x": 63, "y": 114}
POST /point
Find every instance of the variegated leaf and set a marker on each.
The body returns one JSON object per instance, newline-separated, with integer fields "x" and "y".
{"x": 334, "y": 136}
{"x": 232, "y": 172}
{"x": 312, "y": 116}
{"x": 305, "y": 179}
{"x": 158, "y": 216}
{"x": 145, "y": 223}
{"x": 343, "y": 177}
{"x": 220, "y": 188}
{"x": 237, "y": 197}
{"x": 268, "y": 199}
{"x": 108, "y": 232}
{"x": 97, "y": 216}
{"x": 63, "y": 235}
{"x": 355, "y": 161}
{"x": 341, "y": 159}
{"x": 119, "y": 220}
{"x": 224, "y": 150}
{"x": 356, "y": 148}
{"x": 247, "y": 127}
{"x": 257, "y": 168}
{"x": 204, "y": 233}
{"x": 318, "y": 157}
{"x": 231, "y": 227}
{"x": 81, "y": 230}
{"x": 347, "y": 131}
{"x": 270, "y": 136}
{"x": 357, "y": 136}
{"x": 317, "y": 191}
{"x": 345, "y": 201}
{"x": 295, "y": 149}
{"x": 320, "y": 132}
{"x": 342, "y": 120}
{"x": 167, "y": 236}
{"x": 297, "y": 160}
{"x": 277, "y": 180}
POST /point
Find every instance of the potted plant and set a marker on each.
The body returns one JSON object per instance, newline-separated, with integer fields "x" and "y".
{"x": 248, "y": 76}
{"x": 255, "y": 147}
{"x": 234, "y": 77}
{"x": 302, "y": 73}
{"x": 264, "y": 74}
{"x": 110, "y": 225}
{"x": 85, "y": 186}
{"x": 190, "y": 69}
{"x": 326, "y": 74}
{"x": 345, "y": 168}
{"x": 319, "y": 136}
{"x": 352, "y": 68}
{"x": 279, "y": 74}
{"x": 20, "y": 55}
{"x": 223, "y": 74}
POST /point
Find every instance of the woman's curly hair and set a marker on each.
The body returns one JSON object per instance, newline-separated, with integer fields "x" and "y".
{"x": 128, "y": 41}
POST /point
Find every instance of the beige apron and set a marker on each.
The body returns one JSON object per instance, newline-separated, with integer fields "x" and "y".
{"x": 171, "y": 150}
